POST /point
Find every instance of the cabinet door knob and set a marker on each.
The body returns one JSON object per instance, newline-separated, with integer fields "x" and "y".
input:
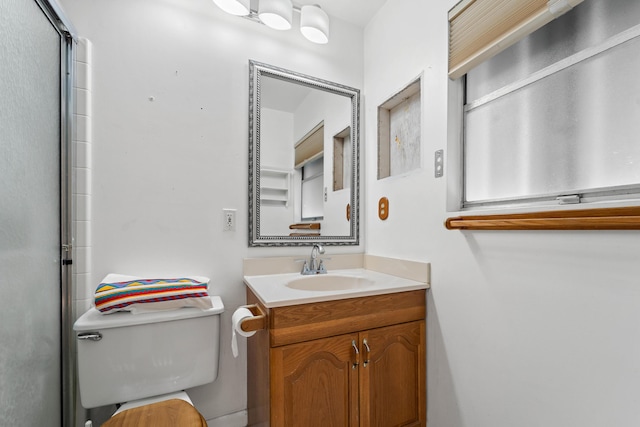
{"x": 357, "y": 354}
{"x": 367, "y": 351}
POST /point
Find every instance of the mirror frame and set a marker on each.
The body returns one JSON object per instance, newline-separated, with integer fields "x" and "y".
{"x": 256, "y": 71}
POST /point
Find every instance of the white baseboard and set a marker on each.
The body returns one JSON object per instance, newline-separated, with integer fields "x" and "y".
{"x": 237, "y": 419}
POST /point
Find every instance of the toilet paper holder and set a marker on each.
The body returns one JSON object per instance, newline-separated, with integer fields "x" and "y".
{"x": 255, "y": 323}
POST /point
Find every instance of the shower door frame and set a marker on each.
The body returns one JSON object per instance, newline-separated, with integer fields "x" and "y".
{"x": 68, "y": 38}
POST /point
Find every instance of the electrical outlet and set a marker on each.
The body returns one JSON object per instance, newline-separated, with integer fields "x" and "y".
{"x": 229, "y": 220}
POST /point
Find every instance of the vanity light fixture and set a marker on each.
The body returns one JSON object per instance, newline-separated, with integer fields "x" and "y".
{"x": 278, "y": 14}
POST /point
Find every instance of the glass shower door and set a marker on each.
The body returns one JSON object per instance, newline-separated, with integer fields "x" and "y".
{"x": 30, "y": 216}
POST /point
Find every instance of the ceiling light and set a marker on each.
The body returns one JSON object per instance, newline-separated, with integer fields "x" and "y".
{"x": 314, "y": 24}
{"x": 234, "y": 7}
{"x": 277, "y": 14}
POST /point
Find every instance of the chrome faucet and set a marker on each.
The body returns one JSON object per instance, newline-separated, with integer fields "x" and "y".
{"x": 315, "y": 265}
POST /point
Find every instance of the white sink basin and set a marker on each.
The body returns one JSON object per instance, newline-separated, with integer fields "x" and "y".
{"x": 329, "y": 282}
{"x": 286, "y": 289}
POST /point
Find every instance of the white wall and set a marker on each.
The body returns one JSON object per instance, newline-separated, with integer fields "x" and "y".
{"x": 170, "y": 144}
{"x": 276, "y": 152}
{"x": 276, "y": 139}
{"x": 525, "y": 329}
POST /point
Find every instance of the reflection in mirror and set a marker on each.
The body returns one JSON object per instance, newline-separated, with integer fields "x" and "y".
{"x": 303, "y": 159}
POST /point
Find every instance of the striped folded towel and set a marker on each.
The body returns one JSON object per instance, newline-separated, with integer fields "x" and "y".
{"x": 118, "y": 292}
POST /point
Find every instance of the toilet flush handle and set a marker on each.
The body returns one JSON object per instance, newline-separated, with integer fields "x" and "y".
{"x": 91, "y": 336}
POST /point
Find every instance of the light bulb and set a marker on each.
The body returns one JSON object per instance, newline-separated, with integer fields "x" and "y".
{"x": 277, "y": 14}
{"x": 234, "y": 7}
{"x": 314, "y": 24}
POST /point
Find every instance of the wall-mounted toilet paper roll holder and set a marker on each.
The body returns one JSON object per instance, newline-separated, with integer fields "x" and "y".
{"x": 255, "y": 323}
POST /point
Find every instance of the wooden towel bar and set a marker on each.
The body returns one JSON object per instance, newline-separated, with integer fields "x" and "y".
{"x": 305, "y": 226}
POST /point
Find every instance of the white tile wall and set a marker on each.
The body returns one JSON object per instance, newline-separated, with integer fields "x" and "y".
{"x": 82, "y": 140}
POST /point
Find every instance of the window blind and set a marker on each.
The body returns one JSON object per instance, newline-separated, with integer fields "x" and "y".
{"x": 479, "y": 29}
{"x": 310, "y": 147}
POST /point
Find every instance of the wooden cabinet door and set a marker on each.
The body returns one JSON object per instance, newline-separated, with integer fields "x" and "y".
{"x": 315, "y": 383}
{"x": 392, "y": 376}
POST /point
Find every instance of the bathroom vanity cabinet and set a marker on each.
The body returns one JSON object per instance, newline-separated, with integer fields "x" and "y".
{"x": 351, "y": 362}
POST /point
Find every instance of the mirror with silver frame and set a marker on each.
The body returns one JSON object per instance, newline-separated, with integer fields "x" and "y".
{"x": 303, "y": 159}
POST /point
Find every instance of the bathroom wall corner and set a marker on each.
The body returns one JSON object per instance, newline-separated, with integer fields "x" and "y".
{"x": 412, "y": 270}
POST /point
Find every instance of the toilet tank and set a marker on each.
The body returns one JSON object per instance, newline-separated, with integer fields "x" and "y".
{"x": 124, "y": 356}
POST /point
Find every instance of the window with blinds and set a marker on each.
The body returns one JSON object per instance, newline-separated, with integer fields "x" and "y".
{"x": 555, "y": 118}
{"x": 479, "y": 29}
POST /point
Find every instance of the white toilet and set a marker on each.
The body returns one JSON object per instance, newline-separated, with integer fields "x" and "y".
{"x": 139, "y": 359}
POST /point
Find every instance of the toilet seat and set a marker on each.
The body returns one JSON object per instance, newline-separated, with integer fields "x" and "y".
{"x": 172, "y": 409}
{"x": 165, "y": 413}
{"x": 155, "y": 399}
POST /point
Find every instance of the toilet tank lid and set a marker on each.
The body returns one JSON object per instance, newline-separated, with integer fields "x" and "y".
{"x": 93, "y": 319}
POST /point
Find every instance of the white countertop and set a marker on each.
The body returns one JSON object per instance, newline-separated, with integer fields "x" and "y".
{"x": 272, "y": 291}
